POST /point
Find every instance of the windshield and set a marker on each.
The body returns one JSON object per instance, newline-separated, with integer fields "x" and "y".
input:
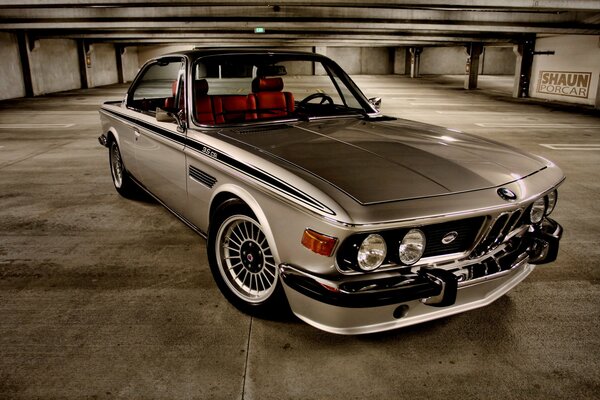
{"x": 263, "y": 87}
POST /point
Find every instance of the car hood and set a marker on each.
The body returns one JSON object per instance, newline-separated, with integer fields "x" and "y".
{"x": 375, "y": 161}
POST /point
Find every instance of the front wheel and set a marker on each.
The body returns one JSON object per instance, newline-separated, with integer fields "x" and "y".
{"x": 242, "y": 262}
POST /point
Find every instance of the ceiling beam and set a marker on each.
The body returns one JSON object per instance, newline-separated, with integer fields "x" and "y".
{"x": 273, "y": 26}
{"x": 284, "y": 12}
{"x": 459, "y": 4}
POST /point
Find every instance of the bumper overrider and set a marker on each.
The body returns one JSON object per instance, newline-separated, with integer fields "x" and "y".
{"x": 356, "y": 304}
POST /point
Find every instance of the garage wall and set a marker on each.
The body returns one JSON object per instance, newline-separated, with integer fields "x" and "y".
{"x": 54, "y": 66}
{"x": 362, "y": 60}
{"x": 11, "y": 81}
{"x": 145, "y": 53}
{"x": 103, "y": 68}
{"x": 498, "y": 61}
{"x": 571, "y": 74}
{"x": 400, "y": 61}
{"x": 131, "y": 63}
{"x": 443, "y": 61}
{"x": 453, "y": 60}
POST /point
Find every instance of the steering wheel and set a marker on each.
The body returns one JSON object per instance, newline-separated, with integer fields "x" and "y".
{"x": 324, "y": 98}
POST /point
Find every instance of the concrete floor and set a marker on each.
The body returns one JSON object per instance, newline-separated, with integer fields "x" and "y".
{"x": 102, "y": 297}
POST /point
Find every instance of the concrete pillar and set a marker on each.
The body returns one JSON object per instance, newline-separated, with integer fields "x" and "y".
{"x": 474, "y": 51}
{"x": 119, "y": 50}
{"x": 597, "y": 104}
{"x": 524, "y": 52}
{"x": 82, "y": 58}
{"x": 318, "y": 68}
{"x": 407, "y": 58}
{"x": 415, "y": 61}
{"x": 24, "y": 42}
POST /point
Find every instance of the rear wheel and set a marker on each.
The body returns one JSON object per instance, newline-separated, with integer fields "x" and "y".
{"x": 121, "y": 179}
{"x": 242, "y": 262}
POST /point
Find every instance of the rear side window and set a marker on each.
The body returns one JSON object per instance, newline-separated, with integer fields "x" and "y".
{"x": 157, "y": 86}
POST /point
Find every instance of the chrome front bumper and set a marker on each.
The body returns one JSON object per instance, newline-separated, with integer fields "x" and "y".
{"x": 377, "y": 302}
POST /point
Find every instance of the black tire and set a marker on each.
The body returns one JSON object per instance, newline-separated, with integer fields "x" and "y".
{"x": 125, "y": 186}
{"x": 242, "y": 263}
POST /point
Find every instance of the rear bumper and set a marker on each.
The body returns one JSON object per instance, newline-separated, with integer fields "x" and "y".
{"x": 102, "y": 139}
{"x": 377, "y": 302}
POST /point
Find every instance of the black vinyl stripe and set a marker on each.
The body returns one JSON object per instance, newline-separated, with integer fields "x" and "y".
{"x": 227, "y": 160}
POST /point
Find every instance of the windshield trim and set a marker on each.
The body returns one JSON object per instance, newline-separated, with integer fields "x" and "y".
{"x": 330, "y": 66}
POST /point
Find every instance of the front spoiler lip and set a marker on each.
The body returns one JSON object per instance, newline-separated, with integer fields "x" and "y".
{"x": 432, "y": 286}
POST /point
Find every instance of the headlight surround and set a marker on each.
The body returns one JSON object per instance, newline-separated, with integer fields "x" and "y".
{"x": 372, "y": 252}
{"x": 412, "y": 247}
{"x": 537, "y": 210}
{"x": 551, "y": 198}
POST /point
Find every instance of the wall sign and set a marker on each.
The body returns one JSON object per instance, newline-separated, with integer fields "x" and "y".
{"x": 561, "y": 83}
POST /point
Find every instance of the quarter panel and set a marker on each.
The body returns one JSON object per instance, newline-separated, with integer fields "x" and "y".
{"x": 123, "y": 132}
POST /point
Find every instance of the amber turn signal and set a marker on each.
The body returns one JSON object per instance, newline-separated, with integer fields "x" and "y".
{"x": 318, "y": 243}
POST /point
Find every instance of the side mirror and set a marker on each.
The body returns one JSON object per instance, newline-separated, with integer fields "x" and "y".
{"x": 375, "y": 102}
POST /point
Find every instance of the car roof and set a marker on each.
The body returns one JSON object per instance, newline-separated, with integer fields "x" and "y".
{"x": 212, "y": 51}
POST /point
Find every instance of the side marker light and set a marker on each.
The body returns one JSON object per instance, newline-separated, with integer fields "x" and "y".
{"x": 318, "y": 243}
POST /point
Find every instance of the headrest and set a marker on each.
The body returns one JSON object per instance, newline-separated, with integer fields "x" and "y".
{"x": 267, "y": 85}
{"x": 174, "y": 87}
{"x": 201, "y": 87}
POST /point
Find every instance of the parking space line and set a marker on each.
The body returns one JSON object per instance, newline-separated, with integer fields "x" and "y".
{"x": 432, "y": 103}
{"x": 571, "y": 146}
{"x": 535, "y": 125}
{"x": 502, "y": 113}
{"x": 35, "y": 126}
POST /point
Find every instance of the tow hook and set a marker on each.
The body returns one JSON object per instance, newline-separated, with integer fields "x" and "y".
{"x": 446, "y": 281}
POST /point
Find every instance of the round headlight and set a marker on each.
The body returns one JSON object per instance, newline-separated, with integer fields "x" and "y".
{"x": 537, "y": 211}
{"x": 412, "y": 247}
{"x": 372, "y": 252}
{"x": 552, "y": 198}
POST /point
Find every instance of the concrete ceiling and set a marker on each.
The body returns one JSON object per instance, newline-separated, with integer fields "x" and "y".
{"x": 300, "y": 22}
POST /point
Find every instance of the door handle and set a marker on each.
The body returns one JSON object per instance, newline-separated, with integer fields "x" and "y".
{"x": 136, "y": 133}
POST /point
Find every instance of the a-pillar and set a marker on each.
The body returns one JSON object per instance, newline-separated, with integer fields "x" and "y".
{"x": 474, "y": 50}
{"x": 415, "y": 61}
{"x": 524, "y": 52}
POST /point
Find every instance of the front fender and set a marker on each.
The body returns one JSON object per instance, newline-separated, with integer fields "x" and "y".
{"x": 254, "y": 205}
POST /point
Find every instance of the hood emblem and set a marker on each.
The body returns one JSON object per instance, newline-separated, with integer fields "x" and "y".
{"x": 507, "y": 194}
{"x": 449, "y": 237}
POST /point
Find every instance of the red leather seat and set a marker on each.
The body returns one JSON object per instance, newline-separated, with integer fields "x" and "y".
{"x": 229, "y": 108}
{"x": 204, "y": 106}
{"x": 170, "y": 101}
{"x": 268, "y": 100}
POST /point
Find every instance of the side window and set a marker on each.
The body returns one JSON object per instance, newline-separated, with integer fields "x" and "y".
{"x": 158, "y": 87}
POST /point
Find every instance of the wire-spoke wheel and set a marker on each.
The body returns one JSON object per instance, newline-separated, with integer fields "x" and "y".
{"x": 116, "y": 165}
{"x": 123, "y": 183}
{"x": 242, "y": 261}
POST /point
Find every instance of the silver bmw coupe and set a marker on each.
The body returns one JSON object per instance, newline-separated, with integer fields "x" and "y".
{"x": 311, "y": 200}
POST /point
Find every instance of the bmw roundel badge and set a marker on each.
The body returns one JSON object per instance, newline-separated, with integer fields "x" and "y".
{"x": 507, "y": 194}
{"x": 449, "y": 237}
